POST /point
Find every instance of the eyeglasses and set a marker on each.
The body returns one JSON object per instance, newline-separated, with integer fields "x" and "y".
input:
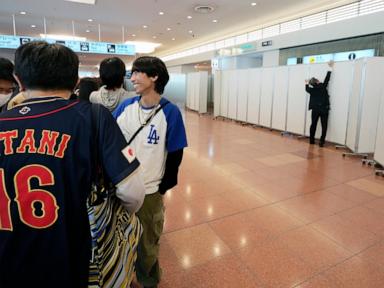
{"x": 7, "y": 90}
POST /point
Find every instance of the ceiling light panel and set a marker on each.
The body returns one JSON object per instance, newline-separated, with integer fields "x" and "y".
{"x": 89, "y": 2}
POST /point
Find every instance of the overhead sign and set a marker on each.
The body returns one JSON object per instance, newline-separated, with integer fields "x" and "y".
{"x": 266, "y": 43}
{"x": 13, "y": 42}
{"x": 324, "y": 58}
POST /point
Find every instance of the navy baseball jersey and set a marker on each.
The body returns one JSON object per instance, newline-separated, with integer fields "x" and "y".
{"x": 46, "y": 165}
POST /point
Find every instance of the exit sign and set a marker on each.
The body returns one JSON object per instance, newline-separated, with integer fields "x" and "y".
{"x": 266, "y": 43}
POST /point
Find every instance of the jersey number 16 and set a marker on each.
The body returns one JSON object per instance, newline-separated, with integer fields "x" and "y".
{"x": 26, "y": 198}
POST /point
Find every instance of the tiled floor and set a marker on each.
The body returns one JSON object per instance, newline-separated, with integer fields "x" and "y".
{"x": 256, "y": 209}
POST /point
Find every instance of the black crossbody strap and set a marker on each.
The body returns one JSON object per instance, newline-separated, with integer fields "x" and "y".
{"x": 147, "y": 122}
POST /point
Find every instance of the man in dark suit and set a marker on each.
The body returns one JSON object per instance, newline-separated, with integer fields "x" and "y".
{"x": 319, "y": 104}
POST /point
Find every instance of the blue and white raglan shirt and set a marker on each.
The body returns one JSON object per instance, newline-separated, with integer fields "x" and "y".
{"x": 165, "y": 134}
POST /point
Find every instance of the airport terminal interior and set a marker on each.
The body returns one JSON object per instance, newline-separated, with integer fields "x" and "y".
{"x": 256, "y": 205}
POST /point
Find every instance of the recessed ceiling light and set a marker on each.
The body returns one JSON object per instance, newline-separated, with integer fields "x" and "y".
{"x": 154, "y": 37}
{"x": 161, "y": 13}
{"x": 23, "y": 12}
{"x": 189, "y": 17}
{"x": 33, "y": 26}
{"x": 190, "y": 31}
{"x": 145, "y": 26}
{"x": 253, "y": 3}
{"x": 214, "y": 21}
{"x": 169, "y": 29}
{"x": 173, "y": 39}
{"x": 87, "y": 30}
{"x": 133, "y": 35}
{"x": 90, "y": 20}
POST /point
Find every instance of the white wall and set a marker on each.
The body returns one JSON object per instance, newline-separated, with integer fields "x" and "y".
{"x": 271, "y": 58}
{"x": 192, "y": 59}
{"x": 362, "y": 25}
{"x": 358, "y": 26}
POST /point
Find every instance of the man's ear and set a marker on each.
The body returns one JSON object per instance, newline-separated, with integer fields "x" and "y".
{"x": 21, "y": 87}
{"x": 154, "y": 78}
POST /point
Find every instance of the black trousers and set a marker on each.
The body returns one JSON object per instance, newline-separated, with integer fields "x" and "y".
{"x": 323, "y": 115}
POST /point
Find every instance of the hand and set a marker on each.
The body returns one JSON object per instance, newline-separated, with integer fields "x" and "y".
{"x": 331, "y": 63}
{"x": 306, "y": 82}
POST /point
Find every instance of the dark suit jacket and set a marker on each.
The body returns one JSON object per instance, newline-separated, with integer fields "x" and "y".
{"x": 319, "y": 95}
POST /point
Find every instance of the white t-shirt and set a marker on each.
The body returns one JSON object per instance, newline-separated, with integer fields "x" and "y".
{"x": 164, "y": 133}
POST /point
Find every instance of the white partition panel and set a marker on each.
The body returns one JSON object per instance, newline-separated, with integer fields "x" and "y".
{"x": 279, "y": 107}
{"x": 197, "y": 91}
{"x": 232, "y": 97}
{"x": 379, "y": 146}
{"x": 216, "y": 93}
{"x": 354, "y": 102}
{"x": 266, "y": 100}
{"x": 364, "y": 105}
{"x": 242, "y": 94}
{"x": 372, "y": 89}
{"x": 318, "y": 71}
{"x": 297, "y": 99}
{"x": 189, "y": 91}
{"x": 225, "y": 83}
{"x": 203, "y": 92}
{"x": 254, "y": 92}
{"x": 340, "y": 89}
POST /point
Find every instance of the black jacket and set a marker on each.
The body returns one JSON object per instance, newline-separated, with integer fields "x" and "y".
{"x": 319, "y": 95}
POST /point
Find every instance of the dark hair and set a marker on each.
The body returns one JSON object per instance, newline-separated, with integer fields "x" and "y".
{"x": 44, "y": 66}
{"x": 112, "y": 72}
{"x": 313, "y": 81}
{"x": 6, "y": 70}
{"x": 152, "y": 66}
{"x": 86, "y": 86}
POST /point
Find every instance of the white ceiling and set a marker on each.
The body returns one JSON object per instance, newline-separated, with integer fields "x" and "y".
{"x": 232, "y": 15}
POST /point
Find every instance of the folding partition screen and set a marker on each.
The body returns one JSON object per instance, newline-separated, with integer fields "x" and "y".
{"x": 379, "y": 146}
{"x": 216, "y": 93}
{"x": 354, "y": 102}
{"x": 232, "y": 96}
{"x": 275, "y": 97}
{"x": 297, "y": 99}
{"x": 266, "y": 98}
{"x": 364, "y": 105}
{"x": 340, "y": 90}
{"x": 254, "y": 92}
{"x": 242, "y": 94}
{"x": 225, "y": 84}
{"x": 279, "y": 106}
{"x": 197, "y": 91}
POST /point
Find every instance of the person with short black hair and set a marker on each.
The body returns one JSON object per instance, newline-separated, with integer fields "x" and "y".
{"x": 8, "y": 85}
{"x": 111, "y": 94}
{"x": 155, "y": 129}
{"x": 47, "y": 166}
{"x": 86, "y": 86}
{"x": 319, "y": 104}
